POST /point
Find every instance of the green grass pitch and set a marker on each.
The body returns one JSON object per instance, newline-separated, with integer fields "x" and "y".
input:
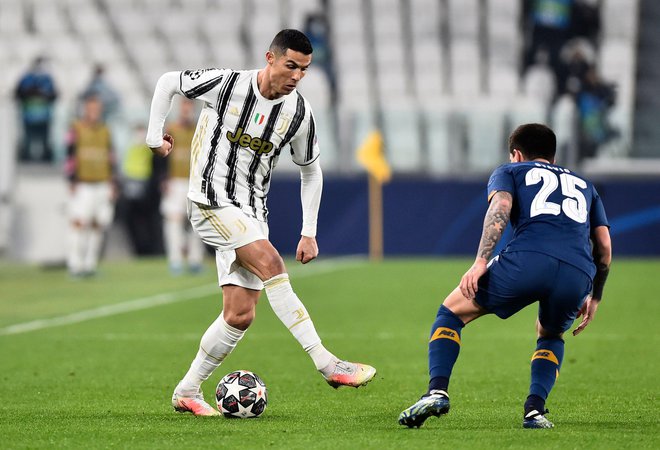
{"x": 106, "y": 382}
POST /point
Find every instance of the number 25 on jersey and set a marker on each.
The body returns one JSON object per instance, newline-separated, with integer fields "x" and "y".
{"x": 574, "y": 205}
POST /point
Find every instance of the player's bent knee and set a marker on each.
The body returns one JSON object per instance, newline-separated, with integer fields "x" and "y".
{"x": 465, "y": 309}
{"x": 269, "y": 265}
{"x": 274, "y": 265}
{"x": 547, "y": 334}
{"x": 262, "y": 259}
{"x": 239, "y": 319}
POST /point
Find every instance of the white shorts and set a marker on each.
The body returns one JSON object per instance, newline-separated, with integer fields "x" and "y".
{"x": 227, "y": 228}
{"x": 92, "y": 202}
{"x": 173, "y": 203}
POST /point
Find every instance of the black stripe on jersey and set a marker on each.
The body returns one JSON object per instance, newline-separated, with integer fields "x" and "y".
{"x": 310, "y": 139}
{"x": 293, "y": 129}
{"x": 203, "y": 88}
{"x": 232, "y": 158}
{"x": 295, "y": 123}
{"x": 256, "y": 157}
{"x": 207, "y": 174}
{"x": 225, "y": 95}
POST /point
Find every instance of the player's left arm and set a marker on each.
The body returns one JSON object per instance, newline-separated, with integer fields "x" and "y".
{"x": 602, "y": 252}
{"x": 305, "y": 153}
{"x": 311, "y": 187}
{"x": 496, "y": 220}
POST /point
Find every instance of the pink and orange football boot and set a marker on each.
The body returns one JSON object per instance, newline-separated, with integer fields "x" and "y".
{"x": 195, "y": 405}
{"x": 350, "y": 374}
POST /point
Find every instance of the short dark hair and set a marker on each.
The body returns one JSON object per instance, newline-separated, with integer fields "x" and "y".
{"x": 534, "y": 140}
{"x": 291, "y": 39}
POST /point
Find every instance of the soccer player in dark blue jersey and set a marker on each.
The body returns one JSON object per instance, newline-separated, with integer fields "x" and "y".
{"x": 559, "y": 255}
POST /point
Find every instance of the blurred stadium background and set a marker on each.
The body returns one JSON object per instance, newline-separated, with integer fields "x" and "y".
{"x": 445, "y": 81}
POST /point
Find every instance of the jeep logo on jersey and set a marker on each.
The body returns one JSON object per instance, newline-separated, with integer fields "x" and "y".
{"x": 253, "y": 143}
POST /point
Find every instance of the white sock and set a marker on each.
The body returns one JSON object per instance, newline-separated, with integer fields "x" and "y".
{"x": 76, "y": 247}
{"x": 218, "y": 342}
{"x": 288, "y": 307}
{"x": 174, "y": 241}
{"x": 93, "y": 250}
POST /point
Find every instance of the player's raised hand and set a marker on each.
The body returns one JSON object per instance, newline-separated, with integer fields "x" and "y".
{"x": 588, "y": 311}
{"x": 307, "y": 250}
{"x": 469, "y": 282}
{"x": 165, "y": 148}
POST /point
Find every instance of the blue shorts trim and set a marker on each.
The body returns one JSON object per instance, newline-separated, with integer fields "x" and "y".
{"x": 517, "y": 279}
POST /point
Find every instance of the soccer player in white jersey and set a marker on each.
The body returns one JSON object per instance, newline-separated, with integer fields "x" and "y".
{"x": 248, "y": 119}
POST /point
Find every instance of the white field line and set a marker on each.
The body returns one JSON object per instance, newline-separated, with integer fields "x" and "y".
{"x": 160, "y": 299}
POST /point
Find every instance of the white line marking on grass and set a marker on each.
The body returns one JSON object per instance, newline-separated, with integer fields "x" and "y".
{"x": 162, "y": 299}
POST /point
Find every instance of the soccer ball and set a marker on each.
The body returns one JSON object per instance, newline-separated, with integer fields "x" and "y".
{"x": 241, "y": 394}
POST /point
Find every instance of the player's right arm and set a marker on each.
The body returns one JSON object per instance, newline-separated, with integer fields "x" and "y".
{"x": 203, "y": 84}
{"x": 168, "y": 85}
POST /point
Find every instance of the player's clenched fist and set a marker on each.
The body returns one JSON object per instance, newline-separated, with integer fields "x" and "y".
{"x": 165, "y": 148}
{"x": 307, "y": 250}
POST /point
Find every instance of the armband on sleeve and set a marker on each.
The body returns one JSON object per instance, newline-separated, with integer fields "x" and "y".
{"x": 602, "y": 271}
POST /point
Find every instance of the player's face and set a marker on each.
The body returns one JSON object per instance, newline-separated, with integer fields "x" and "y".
{"x": 286, "y": 70}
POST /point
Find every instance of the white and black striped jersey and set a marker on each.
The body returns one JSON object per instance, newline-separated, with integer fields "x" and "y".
{"x": 240, "y": 135}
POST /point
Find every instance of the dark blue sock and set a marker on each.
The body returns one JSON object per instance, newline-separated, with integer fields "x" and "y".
{"x": 546, "y": 363}
{"x": 444, "y": 346}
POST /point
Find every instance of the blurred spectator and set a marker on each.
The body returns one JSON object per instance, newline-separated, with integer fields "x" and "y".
{"x": 140, "y": 196}
{"x": 317, "y": 30}
{"x": 585, "y": 21}
{"x": 577, "y": 57}
{"x": 99, "y": 87}
{"x": 594, "y": 100}
{"x": 547, "y": 25}
{"x": 91, "y": 173}
{"x": 36, "y": 95}
{"x": 179, "y": 236}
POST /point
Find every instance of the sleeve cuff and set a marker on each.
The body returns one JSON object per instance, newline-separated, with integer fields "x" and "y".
{"x": 154, "y": 143}
{"x": 308, "y": 230}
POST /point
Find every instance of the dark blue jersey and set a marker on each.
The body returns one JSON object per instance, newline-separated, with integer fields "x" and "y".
{"x": 554, "y": 211}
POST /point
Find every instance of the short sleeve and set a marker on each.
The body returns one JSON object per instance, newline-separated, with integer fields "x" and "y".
{"x": 304, "y": 146}
{"x": 202, "y": 84}
{"x": 597, "y": 216}
{"x": 501, "y": 180}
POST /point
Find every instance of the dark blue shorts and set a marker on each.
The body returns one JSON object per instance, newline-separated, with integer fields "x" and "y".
{"x": 517, "y": 279}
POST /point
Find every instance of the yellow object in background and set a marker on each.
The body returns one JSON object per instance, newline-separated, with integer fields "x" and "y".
{"x": 138, "y": 162}
{"x": 372, "y": 157}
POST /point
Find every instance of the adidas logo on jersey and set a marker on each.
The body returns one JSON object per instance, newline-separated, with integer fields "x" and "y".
{"x": 253, "y": 143}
